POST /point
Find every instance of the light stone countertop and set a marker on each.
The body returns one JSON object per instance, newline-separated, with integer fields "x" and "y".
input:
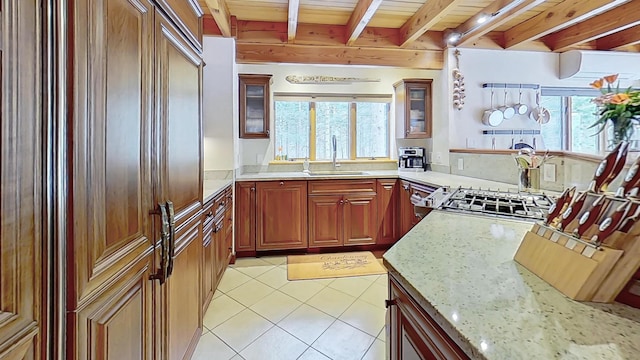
{"x": 462, "y": 267}
{"x": 213, "y": 188}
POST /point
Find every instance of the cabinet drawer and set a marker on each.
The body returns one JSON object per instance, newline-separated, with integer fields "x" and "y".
{"x": 214, "y": 207}
{"x": 334, "y": 187}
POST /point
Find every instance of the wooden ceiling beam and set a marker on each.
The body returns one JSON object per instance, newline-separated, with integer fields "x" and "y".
{"x": 431, "y": 13}
{"x": 628, "y": 37}
{"x": 275, "y": 33}
{"x": 565, "y": 14}
{"x": 503, "y": 10}
{"x": 360, "y": 17}
{"x": 338, "y": 55}
{"x": 221, "y": 15}
{"x": 612, "y": 21}
{"x": 292, "y": 19}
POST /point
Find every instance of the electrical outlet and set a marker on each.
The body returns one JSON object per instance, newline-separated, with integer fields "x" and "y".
{"x": 460, "y": 164}
{"x": 549, "y": 171}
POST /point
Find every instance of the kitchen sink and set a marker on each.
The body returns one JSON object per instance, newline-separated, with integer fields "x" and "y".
{"x": 337, "y": 173}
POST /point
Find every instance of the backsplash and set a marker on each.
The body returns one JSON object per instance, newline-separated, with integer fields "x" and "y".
{"x": 502, "y": 167}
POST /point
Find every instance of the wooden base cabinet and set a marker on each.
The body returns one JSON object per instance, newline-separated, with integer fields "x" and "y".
{"x": 342, "y": 213}
{"x": 413, "y": 334}
{"x": 388, "y": 193}
{"x": 245, "y": 219}
{"x": 408, "y": 218}
{"x": 281, "y": 215}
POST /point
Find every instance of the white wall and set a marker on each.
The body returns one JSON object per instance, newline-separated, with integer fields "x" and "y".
{"x": 500, "y": 66}
{"x": 220, "y": 104}
{"x": 261, "y": 151}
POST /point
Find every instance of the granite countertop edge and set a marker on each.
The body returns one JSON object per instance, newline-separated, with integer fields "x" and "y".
{"x": 212, "y": 188}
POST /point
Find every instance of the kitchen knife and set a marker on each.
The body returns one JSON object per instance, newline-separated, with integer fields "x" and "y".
{"x": 630, "y": 180}
{"x": 628, "y": 221}
{"x": 609, "y": 224}
{"x": 572, "y": 211}
{"x": 605, "y": 168}
{"x": 621, "y": 159}
{"x": 556, "y": 208}
{"x": 589, "y": 217}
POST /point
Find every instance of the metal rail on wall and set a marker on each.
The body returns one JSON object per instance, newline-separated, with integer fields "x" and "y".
{"x": 510, "y": 86}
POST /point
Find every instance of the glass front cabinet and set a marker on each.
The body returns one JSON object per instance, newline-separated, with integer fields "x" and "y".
{"x": 254, "y": 105}
{"x": 413, "y": 108}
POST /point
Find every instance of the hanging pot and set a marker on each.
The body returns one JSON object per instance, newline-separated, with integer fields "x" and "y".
{"x": 520, "y": 108}
{"x": 507, "y": 111}
{"x": 493, "y": 116}
{"x": 540, "y": 114}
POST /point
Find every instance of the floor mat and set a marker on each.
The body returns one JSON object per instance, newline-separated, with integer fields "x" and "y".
{"x": 319, "y": 266}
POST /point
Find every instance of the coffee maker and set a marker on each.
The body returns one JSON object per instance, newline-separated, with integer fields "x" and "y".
{"x": 412, "y": 158}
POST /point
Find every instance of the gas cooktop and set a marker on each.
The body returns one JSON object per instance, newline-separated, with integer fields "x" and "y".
{"x": 521, "y": 205}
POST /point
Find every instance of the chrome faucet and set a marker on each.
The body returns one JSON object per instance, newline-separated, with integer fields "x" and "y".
{"x": 334, "y": 148}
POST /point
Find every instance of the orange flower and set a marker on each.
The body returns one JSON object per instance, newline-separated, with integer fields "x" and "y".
{"x": 611, "y": 78}
{"x": 621, "y": 98}
{"x": 597, "y": 84}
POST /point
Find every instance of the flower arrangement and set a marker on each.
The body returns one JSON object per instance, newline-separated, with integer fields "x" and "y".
{"x": 620, "y": 108}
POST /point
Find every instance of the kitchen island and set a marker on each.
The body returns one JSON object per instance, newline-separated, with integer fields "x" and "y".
{"x": 459, "y": 269}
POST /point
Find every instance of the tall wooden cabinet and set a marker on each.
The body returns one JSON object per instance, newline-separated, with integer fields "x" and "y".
{"x": 22, "y": 300}
{"x": 136, "y": 126}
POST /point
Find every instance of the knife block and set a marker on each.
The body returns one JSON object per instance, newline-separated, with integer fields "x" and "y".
{"x": 574, "y": 268}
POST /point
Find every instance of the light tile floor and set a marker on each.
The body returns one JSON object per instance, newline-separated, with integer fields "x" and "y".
{"x": 257, "y": 314}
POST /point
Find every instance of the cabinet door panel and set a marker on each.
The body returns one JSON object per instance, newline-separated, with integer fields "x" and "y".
{"x": 20, "y": 179}
{"x": 360, "y": 218}
{"x": 407, "y": 214}
{"x": 183, "y": 299}
{"x": 282, "y": 215}
{"x": 179, "y": 86}
{"x": 188, "y": 17}
{"x": 208, "y": 265}
{"x": 110, "y": 184}
{"x": 325, "y": 220}
{"x": 117, "y": 325}
{"x": 245, "y": 219}
{"x": 388, "y": 206}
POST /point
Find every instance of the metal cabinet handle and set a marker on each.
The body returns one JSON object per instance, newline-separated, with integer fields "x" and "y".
{"x": 390, "y": 303}
{"x": 172, "y": 236}
{"x": 267, "y": 132}
{"x": 253, "y": 189}
{"x": 281, "y": 183}
{"x": 406, "y": 187}
{"x": 341, "y": 201}
{"x": 210, "y": 214}
{"x": 161, "y": 274}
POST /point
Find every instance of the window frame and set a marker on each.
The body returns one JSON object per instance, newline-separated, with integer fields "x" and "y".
{"x": 352, "y": 100}
{"x": 566, "y": 95}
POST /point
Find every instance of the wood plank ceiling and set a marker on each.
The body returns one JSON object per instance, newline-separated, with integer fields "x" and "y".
{"x": 413, "y": 33}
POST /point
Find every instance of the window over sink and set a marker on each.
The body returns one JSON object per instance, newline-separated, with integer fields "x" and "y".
{"x": 306, "y": 124}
